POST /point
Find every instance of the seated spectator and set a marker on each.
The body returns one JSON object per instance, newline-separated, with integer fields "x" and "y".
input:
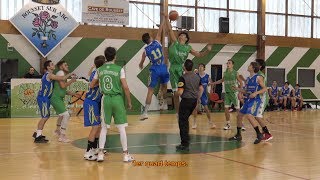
{"x": 274, "y": 95}
{"x": 284, "y": 97}
{"x": 296, "y": 98}
{"x": 31, "y": 74}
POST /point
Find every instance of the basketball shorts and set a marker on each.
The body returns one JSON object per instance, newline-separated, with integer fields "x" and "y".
{"x": 253, "y": 107}
{"x": 204, "y": 99}
{"x": 158, "y": 74}
{"x": 91, "y": 112}
{"x": 113, "y": 106}
{"x": 44, "y": 106}
{"x": 231, "y": 98}
{"x": 176, "y": 72}
{"x": 58, "y": 105}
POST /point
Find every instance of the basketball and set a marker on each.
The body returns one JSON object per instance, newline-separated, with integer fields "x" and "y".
{"x": 173, "y": 15}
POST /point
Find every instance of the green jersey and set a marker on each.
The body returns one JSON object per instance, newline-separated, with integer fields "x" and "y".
{"x": 178, "y": 53}
{"x": 109, "y": 76}
{"x": 264, "y": 77}
{"x": 57, "y": 89}
{"x": 230, "y": 79}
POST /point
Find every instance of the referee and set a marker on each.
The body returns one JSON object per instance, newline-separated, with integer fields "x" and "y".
{"x": 190, "y": 90}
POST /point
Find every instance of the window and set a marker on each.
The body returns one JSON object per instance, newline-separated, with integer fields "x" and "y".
{"x": 208, "y": 20}
{"x": 275, "y": 25}
{"x": 243, "y": 4}
{"x": 299, "y": 26}
{"x": 243, "y": 22}
{"x": 276, "y": 6}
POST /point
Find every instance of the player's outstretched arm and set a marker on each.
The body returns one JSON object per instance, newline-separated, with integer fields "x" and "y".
{"x": 201, "y": 54}
{"x": 218, "y": 82}
{"x": 64, "y": 84}
{"x": 59, "y": 78}
{"x": 143, "y": 58}
{"x": 159, "y": 33}
{"x": 91, "y": 69}
{"x": 171, "y": 33}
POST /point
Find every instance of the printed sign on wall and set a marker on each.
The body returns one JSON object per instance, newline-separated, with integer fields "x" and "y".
{"x": 105, "y": 11}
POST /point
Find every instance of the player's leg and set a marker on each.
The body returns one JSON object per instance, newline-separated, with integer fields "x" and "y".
{"x": 106, "y": 115}
{"x": 285, "y": 98}
{"x": 174, "y": 79}
{"x": 186, "y": 109}
{"x": 153, "y": 80}
{"x": 293, "y": 103}
{"x": 255, "y": 107}
{"x": 44, "y": 107}
{"x": 120, "y": 120}
{"x": 195, "y": 113}
{"x": 61, "y": 110}
{"x": 240, "y": 116}
{"x": 262, "y": 122}
{"x": 91, "y": 118}
{"x": 164, "y": 79}
{"x": 301, "y": 103}
{"x": 204, "y": 102}
{"x": 227, "y": 105}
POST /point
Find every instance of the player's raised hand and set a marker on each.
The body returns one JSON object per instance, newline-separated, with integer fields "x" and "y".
{"x": 141, "y": 66}
{"x": 129, "y": 106}
{"x": 209, "y": 47}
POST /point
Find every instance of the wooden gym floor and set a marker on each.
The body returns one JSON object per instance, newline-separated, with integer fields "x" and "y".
{"x": 292, "y": 154}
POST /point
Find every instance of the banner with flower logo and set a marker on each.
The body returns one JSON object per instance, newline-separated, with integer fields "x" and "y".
{"x": 105, "y": 11}
{"x": 44, "y": 25}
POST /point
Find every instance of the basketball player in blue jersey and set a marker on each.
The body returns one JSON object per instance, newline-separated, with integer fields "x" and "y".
{"x": 253, "y": 92}
{"x": 296, "y": 98}
{"x": 273, "y": 94}
{"x": 285, "y": 95}
{"x": 91, "y": 109}
{"x": 204, "y": 80}
{"x": 158, "y": 69}
{"x": 43, "y": 98}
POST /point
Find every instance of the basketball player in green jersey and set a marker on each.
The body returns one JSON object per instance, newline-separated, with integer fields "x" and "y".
{"x": 230, "y": 78}
{"x": 112, "y": 83}
{"x": 57, "y": 101}
{"x": 178, "y": 52}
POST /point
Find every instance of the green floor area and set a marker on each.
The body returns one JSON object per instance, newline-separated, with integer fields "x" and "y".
{"x": 160, "y": 143}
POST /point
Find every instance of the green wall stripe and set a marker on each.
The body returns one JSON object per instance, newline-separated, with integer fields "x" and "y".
{"x": 127, "y": 51}
{"x": 306, "y": 60}
{"x": 23, "y": 64}
{"x": 308, "y": 94}
{"x": 206, "y": 59}
{"x": 81, "y": 51}
{"x": 278, "y": 56}
{"x": 242, "y": 56}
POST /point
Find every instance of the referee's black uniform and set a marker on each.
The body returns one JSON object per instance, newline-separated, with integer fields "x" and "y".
{"x": 189, "y": 84}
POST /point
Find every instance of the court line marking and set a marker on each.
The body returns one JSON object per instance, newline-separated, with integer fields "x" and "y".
{"x": 259, "y": 167}
{"x": 119, "y": 147}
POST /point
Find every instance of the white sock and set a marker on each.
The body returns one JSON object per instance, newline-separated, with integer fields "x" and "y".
{"x": 103, "y": 135}
{"x": 123, "y": 138}
{"x": 146, "y": 108}
{"x": 39, "y": 133}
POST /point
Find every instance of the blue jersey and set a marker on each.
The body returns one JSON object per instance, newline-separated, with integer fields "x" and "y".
{"x": 46, "y": 86}
{"x": 154, "y": 53}
{"x": 297, "y": 92}
{"x": 252, "y": 86}
{"x": 204, "y": 82}
{"x": 93, "y": 93}
{"x": 274, "y": 91}
{"x": 285, "y": 92}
